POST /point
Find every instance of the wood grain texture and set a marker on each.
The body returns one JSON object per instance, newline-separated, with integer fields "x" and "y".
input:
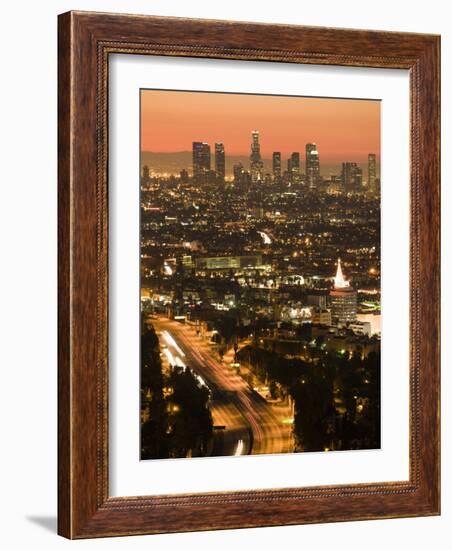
{"x": 85, "y": 42}
{"x": 64, "y": 295}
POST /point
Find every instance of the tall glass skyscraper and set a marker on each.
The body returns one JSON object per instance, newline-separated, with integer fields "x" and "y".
{"x": 201, "y": 160}
{"x": 352, "y": 177}
{"x": 312, "y": 166}
{"x": 277, "y": 166}
{"x": 371, "y": 172}
{"x": 294, "y": 167}
{"x": 220, "y": 163}
{"x": 256, "y": 164}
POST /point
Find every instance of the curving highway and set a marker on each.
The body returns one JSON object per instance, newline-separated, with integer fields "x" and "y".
{"x": 251, "y": 426}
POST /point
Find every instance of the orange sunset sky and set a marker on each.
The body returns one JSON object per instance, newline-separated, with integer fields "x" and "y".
{"x": 343, "y": 129}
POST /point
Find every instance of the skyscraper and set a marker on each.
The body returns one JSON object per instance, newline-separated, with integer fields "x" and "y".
{"x": 371, "y": 172}
{"x": 201, "y": 161}
{"x": 220, "y": 166}
{"x": 277, "y": 166}
{"x": 238, "y": 172}
{"x": 343, "y": 299}
{"x": 256, "y": 164}
{"x": 352, "y": 177}
{"x": 312, "y": 165}
{"x": 145, "y": 177}
{"x": 294, "y": 167}
{"x": 183, "y": 176}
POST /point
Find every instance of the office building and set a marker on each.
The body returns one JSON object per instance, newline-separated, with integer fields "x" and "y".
{"x": 361, "y": 328}
{"x": 220, "y": 163}
{"x": 201, "y": 161}
{"x": 371, "y": 172}
{"x": 228, "y": 262}
{"x": 256, "y": 164}
{"x": 343, "y": 300}
{"x": 312, "y": 166}
{"x": 321, "y": 316}
{"x": 317, "y": 298}
{"x": 184, "y": 176}
{"x": 238, "y": 172}
{"x": 293, "y": 166}
{"x": 352, "y": 177}
{"x": 277, "y": 166}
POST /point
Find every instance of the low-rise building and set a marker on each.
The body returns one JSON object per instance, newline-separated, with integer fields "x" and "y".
{"x": 317, "y": 298}
{"x": 320, "y": 316}
{"x": 361, "y": 328}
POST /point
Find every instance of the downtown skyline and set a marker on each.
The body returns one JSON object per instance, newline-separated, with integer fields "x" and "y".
{"x": 260, "y": 292}
{"x": 209, "y": 164}
{"x": 343, "y": 129}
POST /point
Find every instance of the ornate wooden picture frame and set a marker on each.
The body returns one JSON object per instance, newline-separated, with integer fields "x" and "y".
{"x": 86, "y": 40}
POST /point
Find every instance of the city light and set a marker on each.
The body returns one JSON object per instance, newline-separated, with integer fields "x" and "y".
{"x": 266, "y": 239}
{"x": 167, "y": 269}
{"x": 179, "y": 363}
{"x": 171, "y": 342}
{"x": 169, "y": 356}
{"x": 260, "y": 299}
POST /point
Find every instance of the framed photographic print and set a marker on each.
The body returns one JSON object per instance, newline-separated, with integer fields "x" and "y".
{"x": 248, "y": 275}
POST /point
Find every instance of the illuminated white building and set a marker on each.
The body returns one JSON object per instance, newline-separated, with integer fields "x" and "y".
{"x": 343, "y": 299}
{"x": 361, "y": 328}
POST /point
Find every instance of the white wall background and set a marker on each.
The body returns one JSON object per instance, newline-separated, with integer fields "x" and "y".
{"x": 28, "y": 266}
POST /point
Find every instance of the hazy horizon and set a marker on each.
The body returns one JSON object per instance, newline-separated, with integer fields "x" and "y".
{"x": 173, "y": 162}
{"x": 343, "y": 129}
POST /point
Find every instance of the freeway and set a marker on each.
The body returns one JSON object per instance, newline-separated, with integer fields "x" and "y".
{"x": 251, "y": 425}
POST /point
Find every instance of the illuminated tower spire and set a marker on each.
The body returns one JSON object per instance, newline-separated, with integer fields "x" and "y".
{"x": 339, "y": 281}
{"x": 343, "y": 299}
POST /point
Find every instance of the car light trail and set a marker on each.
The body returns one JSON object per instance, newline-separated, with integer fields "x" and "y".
{"x": 170, "y": 357}
{"x": 180, "y": 363}
{"x": 201, "y": 381}
{"x": 236, "y": 405}
{"x": 171, "y": 342}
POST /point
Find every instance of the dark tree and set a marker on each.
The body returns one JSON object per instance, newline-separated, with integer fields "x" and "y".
{"x": 181, "y": 423}
{"x": 153, "y": 429}
{"x": 190, "y": 420}
{"x": 314, "y": 412}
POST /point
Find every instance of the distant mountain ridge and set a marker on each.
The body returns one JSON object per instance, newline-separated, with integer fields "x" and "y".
{"x": 173, "y": 163}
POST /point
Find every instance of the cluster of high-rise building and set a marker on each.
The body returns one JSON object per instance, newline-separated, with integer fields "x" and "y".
{"x": 350, "y": 180}
{"x": 265, "y": 244}
{"x": 279, "y": 264}
{"x": 201, "y": 161}
{"x": 202, "y": 171}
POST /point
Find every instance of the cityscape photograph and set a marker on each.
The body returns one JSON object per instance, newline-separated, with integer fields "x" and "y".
{"x": 260, "y": 296}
